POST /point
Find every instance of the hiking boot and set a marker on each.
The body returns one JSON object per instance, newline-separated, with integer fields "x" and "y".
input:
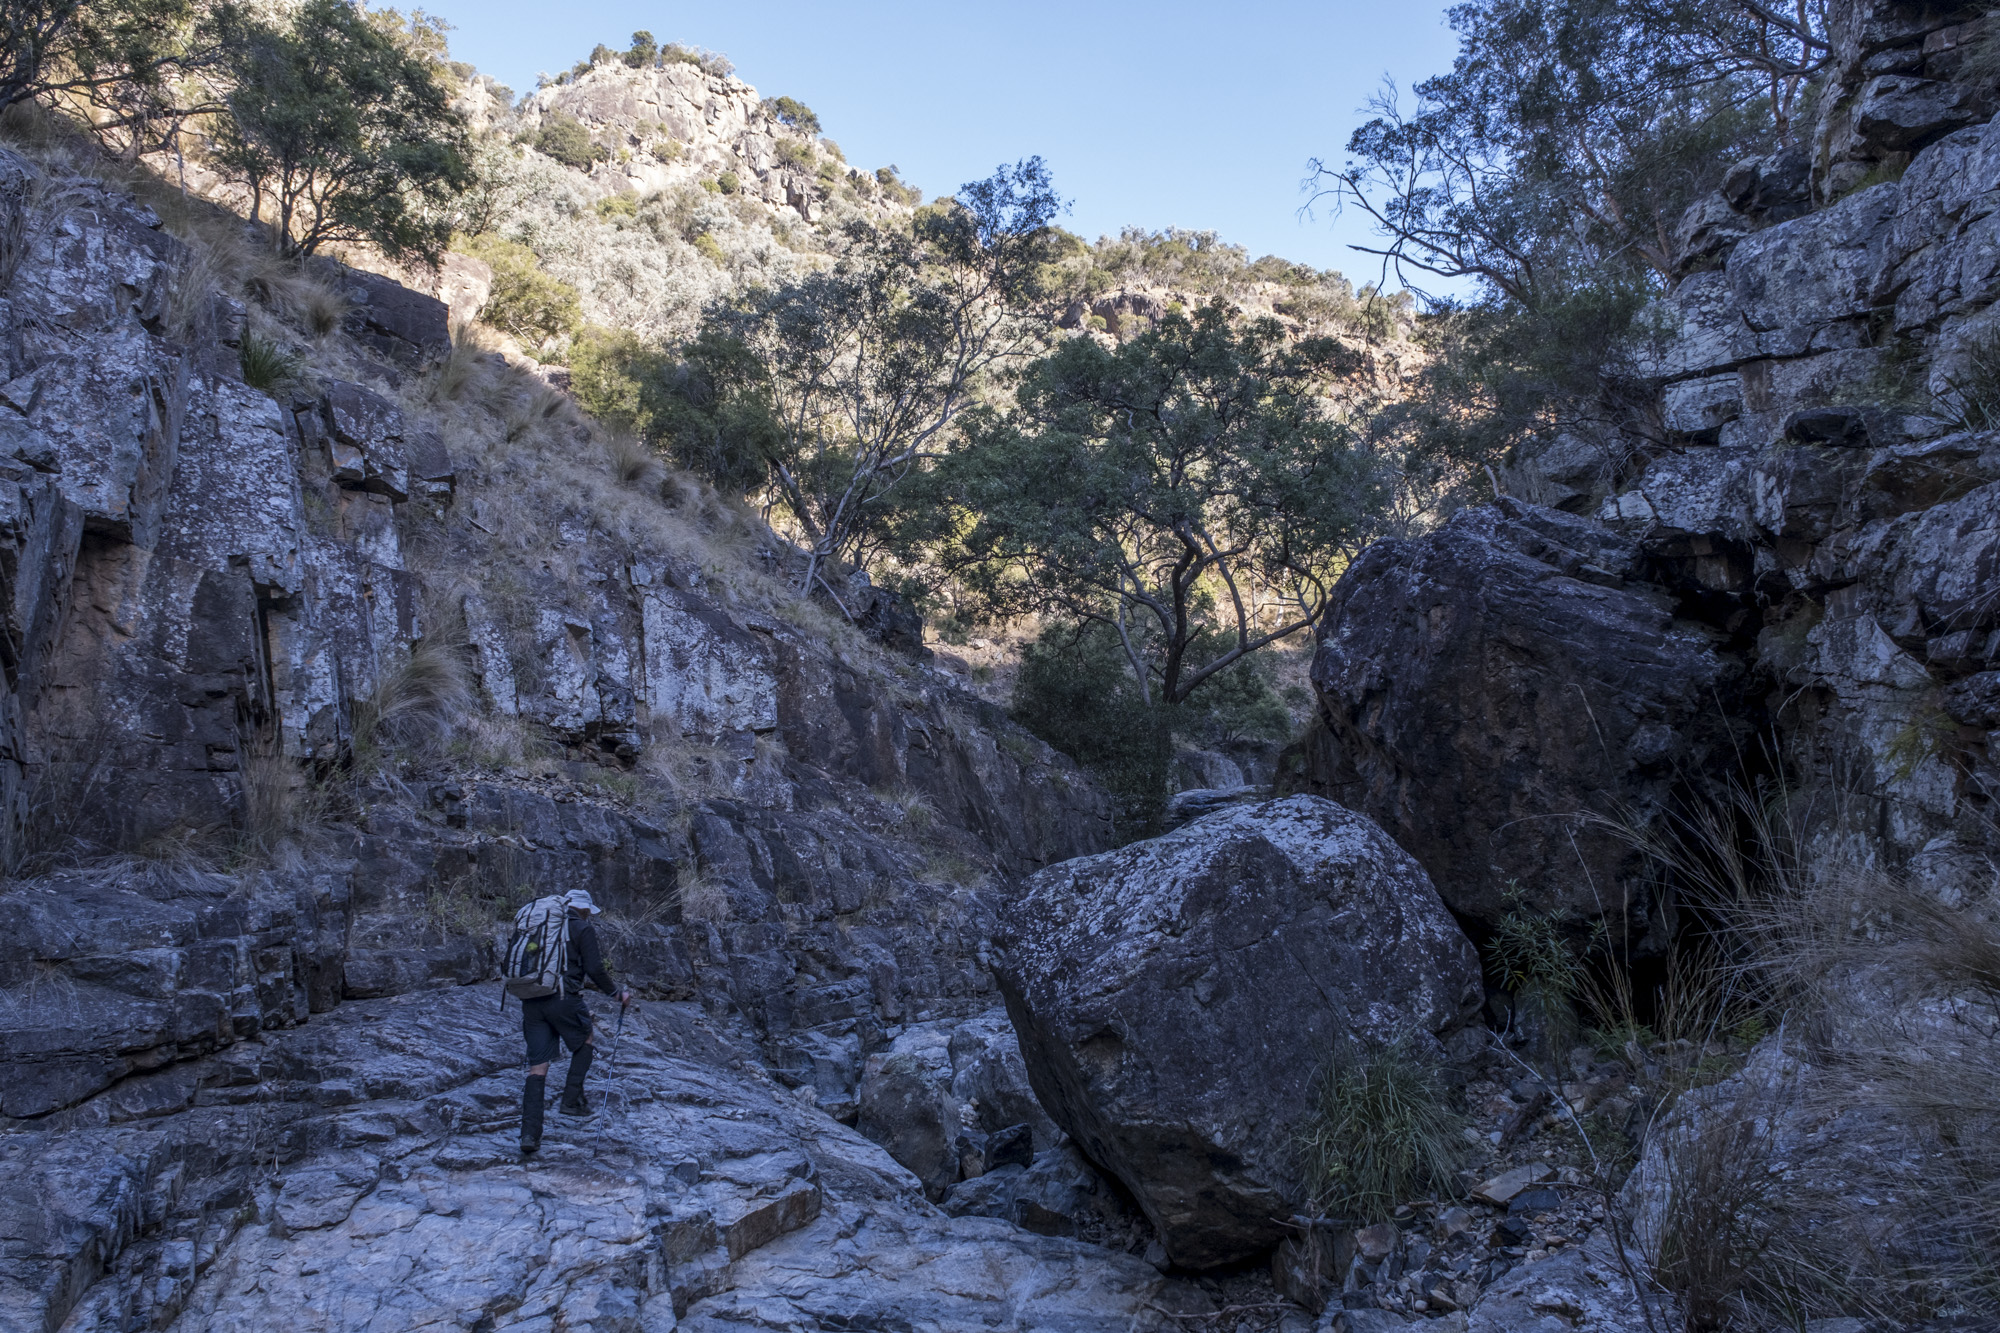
{"x": 533, "y": 1098}
{"x": 573, "y": 1101}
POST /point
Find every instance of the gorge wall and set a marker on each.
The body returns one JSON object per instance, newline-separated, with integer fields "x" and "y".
{"x": 307, "y": 687}
{"x": 1785, "y": 570}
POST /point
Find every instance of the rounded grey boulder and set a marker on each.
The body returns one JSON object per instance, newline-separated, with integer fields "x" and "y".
{"x": 1175, "y": 999}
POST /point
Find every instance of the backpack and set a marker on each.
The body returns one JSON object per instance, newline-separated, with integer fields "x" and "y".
{"x": 538, "y": 951}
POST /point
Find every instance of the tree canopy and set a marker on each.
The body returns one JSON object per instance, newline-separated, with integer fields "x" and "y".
{"x": 343, "y": 131}
{"x": 1190, "y": 480}
{"x": 124, "y": 57}
{"x": 1570, "y": 135}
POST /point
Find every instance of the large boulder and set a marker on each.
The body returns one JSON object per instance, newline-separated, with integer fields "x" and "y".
{"x": 1499, "y": 687}
{"x": 1175, "y": 999}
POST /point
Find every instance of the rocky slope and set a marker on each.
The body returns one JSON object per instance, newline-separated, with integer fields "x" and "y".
{"x": 307, "y": 684}
{"x": 305, "y": 689}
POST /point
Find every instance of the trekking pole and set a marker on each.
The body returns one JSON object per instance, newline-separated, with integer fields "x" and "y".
{"x": 611, "y": 1060}
{"x": 613, "y": 1085}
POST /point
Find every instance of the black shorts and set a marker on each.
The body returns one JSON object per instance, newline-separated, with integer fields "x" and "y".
{"x": 554, "y": 1018}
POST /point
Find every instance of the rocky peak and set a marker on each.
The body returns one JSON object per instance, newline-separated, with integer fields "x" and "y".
{"x": 676, "y": 123}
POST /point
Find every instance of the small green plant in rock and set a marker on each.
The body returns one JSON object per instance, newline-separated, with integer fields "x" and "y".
{"x": 265, "y": 364}
{"x": 728, "y": 182}
{"x": 1381, "y": 1131}
{"x": 1530, "y": 956}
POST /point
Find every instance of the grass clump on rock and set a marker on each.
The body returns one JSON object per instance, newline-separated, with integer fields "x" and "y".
{"x": 1381, "y": 1130}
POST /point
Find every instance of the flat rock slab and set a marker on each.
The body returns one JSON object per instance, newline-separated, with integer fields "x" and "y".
{"x": 361, "y": 1175}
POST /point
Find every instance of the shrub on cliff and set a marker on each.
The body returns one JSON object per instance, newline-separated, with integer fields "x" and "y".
{"x": 563, "y": 137}
{"x": 793, "y": 114}
{"x": 536, "y": 309}
{"x": 342, "y": 132}
{"x": 704, "y": 408}
{"x": 894, "y": 188}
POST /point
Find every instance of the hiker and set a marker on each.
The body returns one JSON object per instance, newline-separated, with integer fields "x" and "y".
{"x": 562, "y": 1018}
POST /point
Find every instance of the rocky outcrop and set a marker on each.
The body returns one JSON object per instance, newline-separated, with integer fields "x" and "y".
{"x": 377, "y": 1144}
{"x": 674, "y": 123}
{"x": 1147, "y": 986}
{"x": 945, "y": 1098}
{"x": 1497, "y": 690}
{"x": 1894, "y": 87}
{"x": 1816, "y": 523}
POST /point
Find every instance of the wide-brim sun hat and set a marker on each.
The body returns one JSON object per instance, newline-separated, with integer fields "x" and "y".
{"x": 579, "y": 901}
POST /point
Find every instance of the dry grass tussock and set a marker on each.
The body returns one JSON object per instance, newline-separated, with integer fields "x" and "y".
{"x": 1889, "y": 995}
{"x": 1381, "y": 1130}
{"x": 704, "y": 898}
{"x": 416, "y": 703}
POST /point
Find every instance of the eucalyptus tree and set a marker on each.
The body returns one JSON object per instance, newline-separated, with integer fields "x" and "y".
{"x": 343, "y": 130}
{"x": 1187, "y": 490}
{"x": 863, "y": 369}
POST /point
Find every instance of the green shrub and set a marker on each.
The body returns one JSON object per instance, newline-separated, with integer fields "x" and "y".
{"x": 708, "y": 62}
{"x": 701, "y": 409}
{"x": 644, "y": 51}
{"x": 796, "y": 114}
{"x": 1076, "y": 692}
{"x": 618, "y": 206}
{"x": 526, "y": 302}
{"x": 666, "y": 150}
{"x": 710, "y": 250}
{"x": 1381, "y": 1131}
{"x": 265, "y": 364}
{"x": 563, "y": 137}
{"x": 792, "y": 153}
{"x": 893, "y": 188}
{"x": 728, "y": 182}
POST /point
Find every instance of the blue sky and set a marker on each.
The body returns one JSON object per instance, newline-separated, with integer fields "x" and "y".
{"x": 1178, "y": 114}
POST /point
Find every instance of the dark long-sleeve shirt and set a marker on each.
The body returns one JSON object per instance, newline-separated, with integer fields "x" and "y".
{"x": 586, "y": 960}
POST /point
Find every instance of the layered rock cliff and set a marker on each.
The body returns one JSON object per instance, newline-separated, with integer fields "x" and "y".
{"x": 1785, "y": 571}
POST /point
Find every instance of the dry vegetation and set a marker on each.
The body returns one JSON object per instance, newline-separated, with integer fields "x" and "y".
{"x": 1853, "y": 1166}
